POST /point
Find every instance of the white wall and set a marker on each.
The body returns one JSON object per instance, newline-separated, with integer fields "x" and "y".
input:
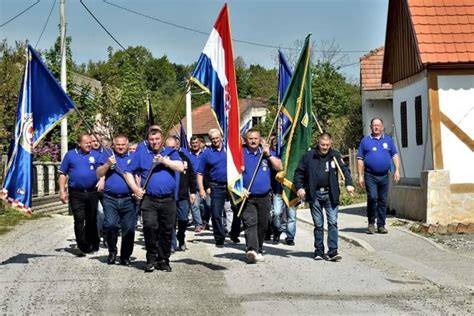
{"x": 456, "y": 99}
{"x": 414, "y": 158}
{"x": 377, "y": 108}
{"x": 257, "y": 111}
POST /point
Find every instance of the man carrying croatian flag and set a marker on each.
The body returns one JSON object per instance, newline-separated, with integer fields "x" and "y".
{"x": 223, "y": 163}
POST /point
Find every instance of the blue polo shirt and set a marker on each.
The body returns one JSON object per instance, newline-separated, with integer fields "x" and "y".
{"x": 262, "y": 183}
{"x": 143, "y": 145}
{"x": 214, "y": 163}
{"x": 377, "y": 153}
{"x": 194, "y": 157}
{"x": 163, "y": 180}
{"x": 114, "y": 181}
{"x": 80, "y": 168}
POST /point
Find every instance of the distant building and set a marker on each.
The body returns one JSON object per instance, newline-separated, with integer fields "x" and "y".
{"x": 376, "y": 97}
{"x": 252, "y": 112}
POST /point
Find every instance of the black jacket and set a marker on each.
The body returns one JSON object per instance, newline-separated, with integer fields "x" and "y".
{"x": 187, "y": 179}
{"x": 306, "y": 175}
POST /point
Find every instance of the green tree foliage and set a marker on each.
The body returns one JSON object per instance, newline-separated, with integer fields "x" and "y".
{"x": 262, "y": 82}
{"x": 336, "y": 104}
{"x": 12, "y": 61}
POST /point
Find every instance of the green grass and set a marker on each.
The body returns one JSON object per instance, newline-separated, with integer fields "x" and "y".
{"x": 12, "y": 217}
{"x": 345, "y": 199}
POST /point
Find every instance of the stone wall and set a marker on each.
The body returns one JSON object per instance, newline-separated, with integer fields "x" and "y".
{"x": 432, "y": 202}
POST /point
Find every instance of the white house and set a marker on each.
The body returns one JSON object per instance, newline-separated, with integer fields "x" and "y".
{"x": 429, "y": 60}
{"x": 376, "y": 97}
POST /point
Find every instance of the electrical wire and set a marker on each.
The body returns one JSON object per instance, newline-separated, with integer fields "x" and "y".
{"x": 13, "y": 18}
{"x": 207, "y": 34}
{"x": 103, "y": 27}
{"x": 45, "y": 24}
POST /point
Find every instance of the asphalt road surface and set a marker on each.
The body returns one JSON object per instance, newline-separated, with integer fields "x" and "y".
{"x": 39, "y": 275}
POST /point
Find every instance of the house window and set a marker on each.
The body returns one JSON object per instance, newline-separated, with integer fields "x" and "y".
{"x": 418, "y": 121}
{"x": 403, "y": 121}
{"x": 256, "y": 120}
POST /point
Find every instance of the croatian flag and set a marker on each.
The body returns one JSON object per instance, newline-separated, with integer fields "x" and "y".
{"x": 215, "y": 73}
{"x": 42, "y": 103}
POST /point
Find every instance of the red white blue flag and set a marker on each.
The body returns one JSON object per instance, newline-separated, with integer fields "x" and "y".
{"x": 215, "y": 73}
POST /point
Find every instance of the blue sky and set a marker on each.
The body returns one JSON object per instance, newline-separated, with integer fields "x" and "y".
{"x": 354, "y": 25}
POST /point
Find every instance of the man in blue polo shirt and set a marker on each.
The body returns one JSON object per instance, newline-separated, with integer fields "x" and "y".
{"x": 159, "y": 204}
{"x": 376, "y": 151}
{"x": 119, "y": 207}
{"x": 214, "y": 163}
{"x": 78, "y": 168}
{"x": 257, "y": 206}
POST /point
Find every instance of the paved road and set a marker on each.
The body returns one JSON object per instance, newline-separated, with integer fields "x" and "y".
{"x": 38, "y": 275}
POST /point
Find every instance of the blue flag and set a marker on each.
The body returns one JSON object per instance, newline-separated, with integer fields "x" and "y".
{"x": 183, "y": 138}
{"x": 284, "y": 122}
{"x": 42, "y": 103}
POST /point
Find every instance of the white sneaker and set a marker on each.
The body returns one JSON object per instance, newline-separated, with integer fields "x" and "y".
{"x": 260, "y": 258}
{"x": 251, "y": 256}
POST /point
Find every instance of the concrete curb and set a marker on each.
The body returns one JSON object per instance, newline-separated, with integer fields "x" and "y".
{"x": 432, "y": 242}
{"x": 355, "y": 241}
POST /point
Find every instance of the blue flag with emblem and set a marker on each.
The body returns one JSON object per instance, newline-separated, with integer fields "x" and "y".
{"x": 284, "y": 122}
{"x": 42, "y": 103}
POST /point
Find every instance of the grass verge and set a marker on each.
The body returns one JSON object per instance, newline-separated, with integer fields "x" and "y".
{"x": 12, "y": 217}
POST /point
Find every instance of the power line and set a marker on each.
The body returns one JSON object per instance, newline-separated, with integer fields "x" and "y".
{"x": 45, "y": 24}
{"x": 207, "y": 34}
{"x": 101, "y": 25}
{"x": 13, "y": 18}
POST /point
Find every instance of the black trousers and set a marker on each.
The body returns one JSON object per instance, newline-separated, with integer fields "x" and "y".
{"x": 84, "y": 211}
{"x": 255, "y": 219}
{"x": 159, "y": 217}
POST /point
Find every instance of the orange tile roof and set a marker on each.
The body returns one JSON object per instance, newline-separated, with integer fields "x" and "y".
{"x": 371, "y": 71}
{"x": 203, "y": 118}
{"x": 444, "y": 30}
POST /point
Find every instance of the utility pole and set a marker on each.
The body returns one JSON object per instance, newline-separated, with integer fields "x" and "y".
{"x": 189, "y": 114}
{"x": 62, "y": 20}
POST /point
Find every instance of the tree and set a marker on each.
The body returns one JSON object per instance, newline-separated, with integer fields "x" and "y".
{"x": 12, "y": 61}
{"x": 262, "y": 82}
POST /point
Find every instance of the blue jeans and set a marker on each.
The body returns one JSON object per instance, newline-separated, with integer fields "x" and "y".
{"x": 196, "y": 210}
{"x": 218, "y": 194}
{"x": 182, "y": 208}
{"x": 322, "y": 200}
{"x": 120, "y": 214}
{"x": 377, "y": 193}
{"x": 278, "y": 208}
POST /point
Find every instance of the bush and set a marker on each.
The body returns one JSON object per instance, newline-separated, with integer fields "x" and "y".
{"x": 46, "y": 151}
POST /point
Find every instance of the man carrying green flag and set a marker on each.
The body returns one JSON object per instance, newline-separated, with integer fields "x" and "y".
{"x": 296, "y": 106}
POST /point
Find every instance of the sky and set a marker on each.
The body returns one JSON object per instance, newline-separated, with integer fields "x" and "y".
{"x": 355, "y": 26}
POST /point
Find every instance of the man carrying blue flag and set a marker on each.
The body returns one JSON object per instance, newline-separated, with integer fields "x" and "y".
{"x": 78, "y": 168}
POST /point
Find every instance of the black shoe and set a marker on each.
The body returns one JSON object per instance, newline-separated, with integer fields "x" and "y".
{"x": 149, "y": 267}
{"x": 182, "y": 247}
{"x": 111, "y": 258}
{"x": 335, "y": 257}
{"x": 164, "y": 266}
{"x": 276, "y": 237}
{"x": 290, "y": 242}
{"x": 220, "y": 245}
{"x": 95, "y": 248}
{"x": 235, "y": 239}
{"x": 125, "y": 262}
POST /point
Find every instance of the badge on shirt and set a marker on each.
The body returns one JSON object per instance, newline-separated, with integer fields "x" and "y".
{"x": 264, "y": 165}
{"x": 374, "y": 148}
{"x": 91, "y": 159}
{"x": 327, "y": 167}
{"x": 385, "y": 146}
{"x": 128, "y": 161}
{"x": 333, "y": 165}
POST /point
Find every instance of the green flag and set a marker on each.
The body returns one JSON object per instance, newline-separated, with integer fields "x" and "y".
{"x": 296, "y": 106}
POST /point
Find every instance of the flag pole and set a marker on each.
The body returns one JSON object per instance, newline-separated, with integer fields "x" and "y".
{"x": 64, "y": 134}
{"x": 333, "y": 158}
